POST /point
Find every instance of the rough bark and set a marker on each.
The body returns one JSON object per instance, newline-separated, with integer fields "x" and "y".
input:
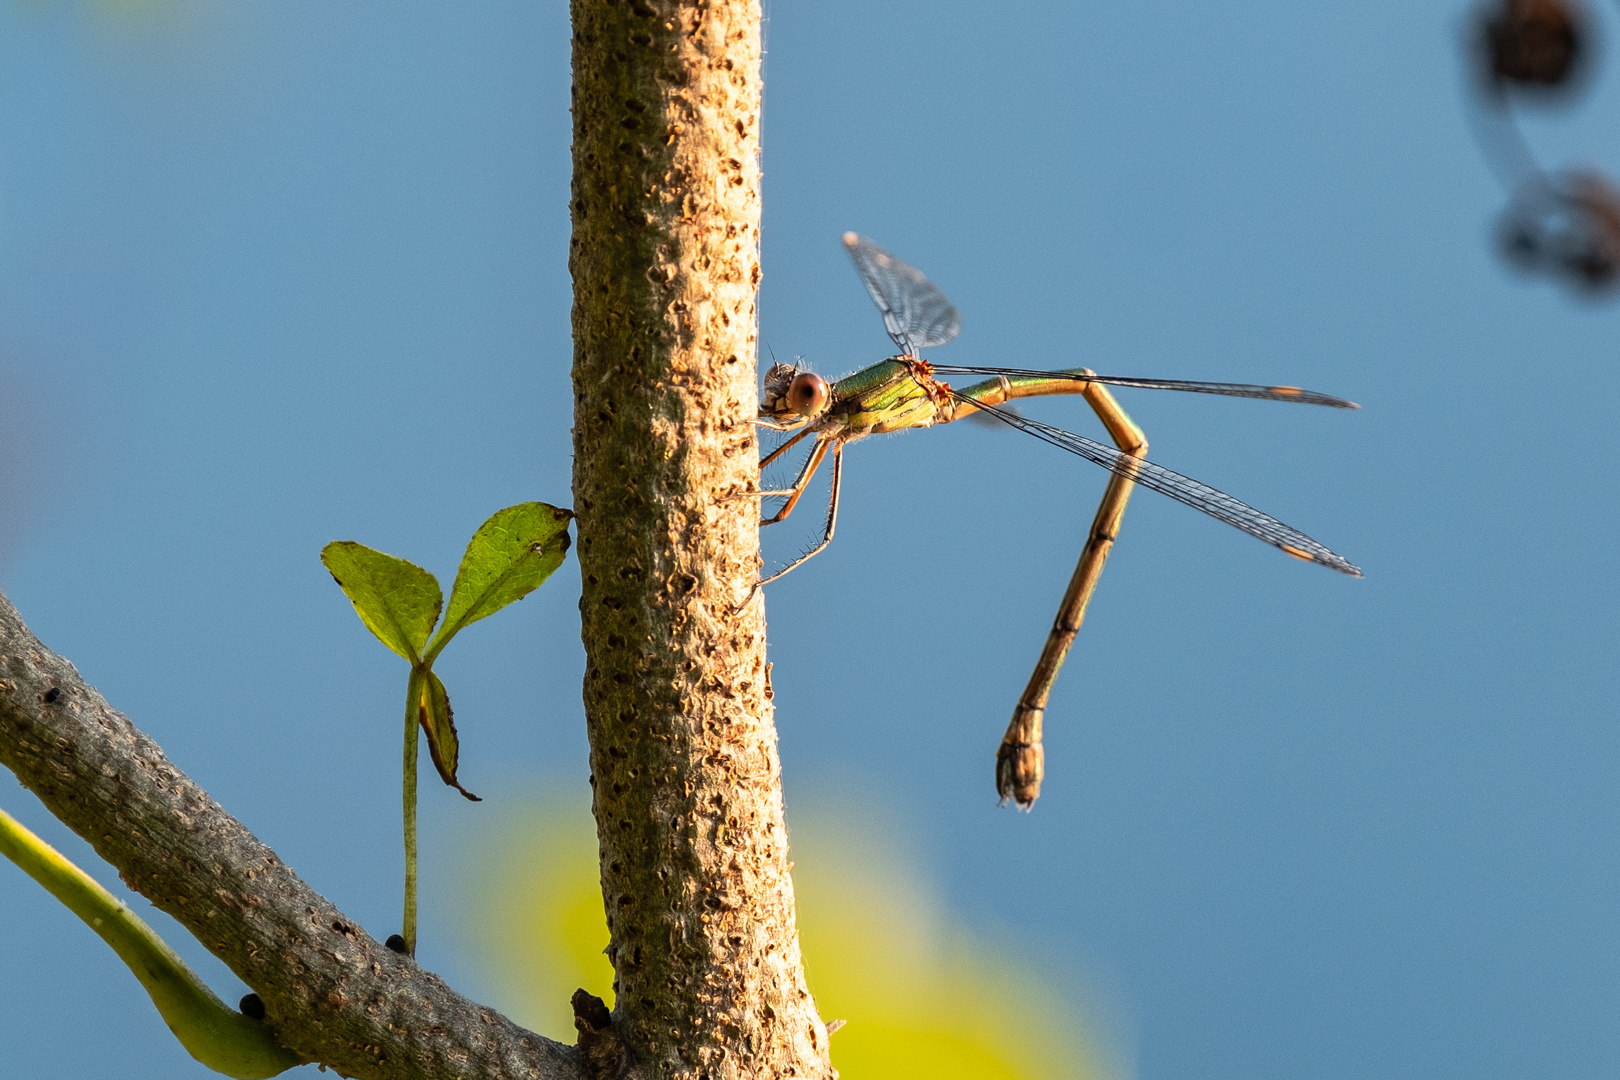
{"x": 331, "y": 993}
{"x": 665, "y": 259}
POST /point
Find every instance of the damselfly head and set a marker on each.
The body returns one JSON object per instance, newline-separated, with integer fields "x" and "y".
{"x": 791, "y": 392}
{"x": 773, "y": 393}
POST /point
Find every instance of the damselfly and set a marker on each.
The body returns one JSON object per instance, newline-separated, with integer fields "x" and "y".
{"x": 905, "y": 391}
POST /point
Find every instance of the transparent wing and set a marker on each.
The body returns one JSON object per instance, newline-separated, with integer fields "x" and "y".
{"x": 1183, "y": 489}
{"x": 915, "y": 313}
{"x": 1243, "y": 390}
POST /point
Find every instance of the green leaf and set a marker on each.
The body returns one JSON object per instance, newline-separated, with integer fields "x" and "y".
{"x": 398, "y": 601}
{"x": 439, "y": 723}
{"x": 509, "y": 556}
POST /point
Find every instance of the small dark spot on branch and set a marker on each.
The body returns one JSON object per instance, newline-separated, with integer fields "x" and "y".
{"x": 590, "y": 1012}
{"x": 251, "y": 1006}
{"x": 395, "y": 943}
{"x": 52, "y": 694}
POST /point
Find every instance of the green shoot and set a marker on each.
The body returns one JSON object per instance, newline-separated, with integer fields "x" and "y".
{"x": 215, "y": 1034}
{"x": 509, "y": 557}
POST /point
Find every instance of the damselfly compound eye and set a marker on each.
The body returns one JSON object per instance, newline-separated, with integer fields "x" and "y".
{"x": 808, "y": 394}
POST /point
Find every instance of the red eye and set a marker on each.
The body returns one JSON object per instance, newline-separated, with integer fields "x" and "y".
{"x": 807, "y": 394}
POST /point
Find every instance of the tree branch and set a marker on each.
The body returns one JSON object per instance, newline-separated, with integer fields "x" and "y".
{"x": 687, "y": 794}
{"x": 331, "y": 993}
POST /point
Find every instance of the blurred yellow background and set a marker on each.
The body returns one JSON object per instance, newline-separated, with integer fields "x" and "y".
{"x": 923, "y": 995}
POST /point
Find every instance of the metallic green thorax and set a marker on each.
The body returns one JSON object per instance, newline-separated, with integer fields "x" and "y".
{"x": 886, "y": 397}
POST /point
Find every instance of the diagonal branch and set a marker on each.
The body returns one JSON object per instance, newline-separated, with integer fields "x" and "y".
{"x": 331, "y": 993}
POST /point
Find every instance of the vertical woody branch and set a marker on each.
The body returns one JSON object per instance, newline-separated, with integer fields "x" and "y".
{"x": 665, "y": 260}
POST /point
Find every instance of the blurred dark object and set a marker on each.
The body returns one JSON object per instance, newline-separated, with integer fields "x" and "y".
{"x": 1534, "y": 43}
{"x": 1567, "y": 226}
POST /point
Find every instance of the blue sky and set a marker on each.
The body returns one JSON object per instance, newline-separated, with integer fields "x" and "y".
{"x": 277, "y": 274}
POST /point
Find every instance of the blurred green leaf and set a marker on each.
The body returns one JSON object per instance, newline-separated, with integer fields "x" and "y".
{"x": 398, "y": 601}
{"x": 509, "y": 557}
{"x": 439, "y": 723}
